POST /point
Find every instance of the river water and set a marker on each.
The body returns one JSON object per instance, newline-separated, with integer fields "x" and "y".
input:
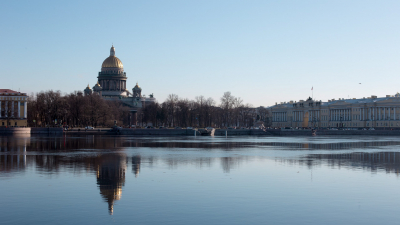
{"x": 199, "y": 180}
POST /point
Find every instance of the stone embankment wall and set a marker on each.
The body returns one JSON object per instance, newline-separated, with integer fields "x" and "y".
{"x": 186, "y": 132}
{"x": 46, "y": 130}
{"x": 14, "y": 130}
{"x": 162, "y": 132}
{"x": 234, "y": 132}
{"x": 333, "y": 132}
{"x": 88, "y": 132}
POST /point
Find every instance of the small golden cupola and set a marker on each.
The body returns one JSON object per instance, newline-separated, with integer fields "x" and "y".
{"x": 88, "y": 90}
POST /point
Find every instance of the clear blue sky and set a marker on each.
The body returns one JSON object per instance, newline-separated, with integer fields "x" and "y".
{"x": 262, "y": 51}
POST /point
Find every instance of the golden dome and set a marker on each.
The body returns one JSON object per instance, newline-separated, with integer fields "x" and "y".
{"x": 112, "y": 61}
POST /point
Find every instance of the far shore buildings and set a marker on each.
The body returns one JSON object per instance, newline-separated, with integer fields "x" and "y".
{"x": 377, "y": 112}
{"x": 13, "y": 108}
{"x": 111, "y": 85}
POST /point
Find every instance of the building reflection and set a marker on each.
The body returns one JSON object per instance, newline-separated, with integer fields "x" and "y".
{"x": 111, "y": 177}
{"x": 16, "y": 161}
{"x": 388, "y": 161}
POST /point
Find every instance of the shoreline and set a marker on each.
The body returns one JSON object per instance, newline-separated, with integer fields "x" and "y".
{"x": 186, "y": 132}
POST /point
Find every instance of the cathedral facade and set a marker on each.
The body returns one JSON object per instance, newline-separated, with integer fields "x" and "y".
{"x": 111, "y": 85}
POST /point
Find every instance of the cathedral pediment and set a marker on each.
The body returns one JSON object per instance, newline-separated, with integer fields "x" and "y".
{"x": 340, "y": 103}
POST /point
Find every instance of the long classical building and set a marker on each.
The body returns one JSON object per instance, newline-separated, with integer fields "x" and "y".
{"x": 111, "y": 85}
{"x": 13, "y": 108}
{"x": 382, "y": 112}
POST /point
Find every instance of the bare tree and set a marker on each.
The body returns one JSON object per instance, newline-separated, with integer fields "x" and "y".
{"x": 264, "y": 115}
{"x": 171, "y": 108}
{"x": 227, "y": 102}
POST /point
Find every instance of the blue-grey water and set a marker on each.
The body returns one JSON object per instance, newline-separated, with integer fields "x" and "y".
{"x": 199, "y": 180}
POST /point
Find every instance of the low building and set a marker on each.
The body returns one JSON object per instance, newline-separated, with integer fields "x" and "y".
{"x": 13, "y": 108}
{"x": 382, "y": 112}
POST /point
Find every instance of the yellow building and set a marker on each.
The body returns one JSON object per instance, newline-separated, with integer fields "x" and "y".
{"x": 370, "y": 112}
{"x": 13, "y": 108}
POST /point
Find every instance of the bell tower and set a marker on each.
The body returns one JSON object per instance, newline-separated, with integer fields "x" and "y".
{"x": 137, "y": 91}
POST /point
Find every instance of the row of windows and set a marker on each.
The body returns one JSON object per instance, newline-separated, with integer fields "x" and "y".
{"x": 378, "y": 124}
{"x": 352, "y": 109}
{"x": 9, "y": 124}
{"x": 355, "y": 117}
{"x": 12, "y": 98}
{"x": 357, "y": 110}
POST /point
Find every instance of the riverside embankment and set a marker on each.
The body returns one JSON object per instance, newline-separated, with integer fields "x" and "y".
{"x": 240, "y": 132}
{"x": 189, "y": 132}
{"x": 278, "y": 132}
{"x": 30, "y": 130}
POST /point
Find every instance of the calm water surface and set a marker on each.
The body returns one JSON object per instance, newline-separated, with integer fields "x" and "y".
{"x": 203, "y": 180}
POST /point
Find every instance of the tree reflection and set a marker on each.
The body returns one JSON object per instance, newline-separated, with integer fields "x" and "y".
{"x": 136, "y": 165}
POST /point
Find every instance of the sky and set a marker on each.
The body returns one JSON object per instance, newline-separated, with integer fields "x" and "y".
{"x": 261, "y": 51}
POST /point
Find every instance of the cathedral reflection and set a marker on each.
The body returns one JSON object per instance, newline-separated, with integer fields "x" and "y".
{"x": 111, "y": 177}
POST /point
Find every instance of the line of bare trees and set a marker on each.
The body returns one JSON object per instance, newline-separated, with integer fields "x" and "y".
{"x": 203, "y": 112}
{"x": 51, "y": 108}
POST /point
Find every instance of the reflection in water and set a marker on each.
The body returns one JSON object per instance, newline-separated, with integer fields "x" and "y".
{"x": 111, "y": 177}
{"x": 15, "y": 162}
{"x": 136, "y": 165}
{"x": 12, "y": 163}
{"x": 229, "y": 163}
{"x": 108, "y": 157}
{"x": 388, "y": 161}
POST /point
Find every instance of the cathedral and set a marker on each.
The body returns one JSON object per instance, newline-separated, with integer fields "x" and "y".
{"x": 111, "y": 85}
